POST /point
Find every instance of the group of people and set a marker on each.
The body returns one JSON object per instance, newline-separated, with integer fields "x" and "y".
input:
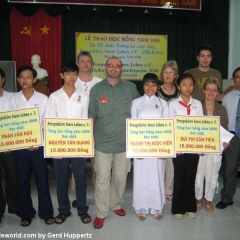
{"x": 109, "y": 103}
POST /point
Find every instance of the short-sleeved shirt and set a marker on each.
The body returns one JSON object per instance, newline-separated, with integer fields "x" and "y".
{"x": 110, "y": 106}
{"x": 60, "y": 105}
{"x": 18, "y": 101}
{"x": 86, "y": 86}
{"x": 200, "y": 78}
{"x": 5, "y": 104}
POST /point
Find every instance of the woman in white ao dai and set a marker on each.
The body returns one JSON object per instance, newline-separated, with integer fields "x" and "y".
{"x": 148, "y": 182}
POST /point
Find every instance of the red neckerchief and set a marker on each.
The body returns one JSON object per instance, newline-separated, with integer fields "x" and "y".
{"x": 186, "y": 106}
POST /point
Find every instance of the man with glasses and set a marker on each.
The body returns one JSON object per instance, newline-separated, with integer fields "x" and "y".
{"x": 84, "y": 83}
{"x": 231, "y": 102}
{"x": 109, "y": 107}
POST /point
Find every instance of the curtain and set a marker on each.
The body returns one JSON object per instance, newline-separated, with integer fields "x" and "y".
{"x": 38, "y": 34}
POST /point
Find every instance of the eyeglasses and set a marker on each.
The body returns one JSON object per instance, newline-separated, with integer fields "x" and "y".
{"x": 114, "y": 66}
{"x": 211, "y": 90}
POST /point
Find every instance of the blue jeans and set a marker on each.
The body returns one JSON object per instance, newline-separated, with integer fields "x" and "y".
{"x": 62, "y": 168}
{"x": 27, "y": 160}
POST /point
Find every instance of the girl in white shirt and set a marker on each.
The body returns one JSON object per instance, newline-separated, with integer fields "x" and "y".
{"x": 185, "y": 164}
{"x": 148, "y": 181}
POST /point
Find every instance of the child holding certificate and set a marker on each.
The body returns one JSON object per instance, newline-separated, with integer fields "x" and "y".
{"x": 32, "y": 158}
{"x": 185, "y": 164}
{"x": 69, "y": 102}
{"x": 148, "y": 181}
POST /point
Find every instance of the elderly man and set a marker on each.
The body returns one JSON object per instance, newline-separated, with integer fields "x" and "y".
{"x": 231, "y": 155}
{"x": 84, "y": 83}
{"x": 109, "y": 106}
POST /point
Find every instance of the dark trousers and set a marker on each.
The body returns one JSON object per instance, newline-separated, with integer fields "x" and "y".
{"x": 27, "y": 160}
{"x": 62, "y": 169}
{"x": 8, "y": 176}
{"x": 185, "y": 169}
{"x": 231, "y": 158}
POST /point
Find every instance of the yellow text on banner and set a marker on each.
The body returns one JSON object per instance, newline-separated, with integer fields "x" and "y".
{"x": 66, "y": 137}
{"x": 150, "y": 138}
{"x": 197, "y": 134}
{"x": 20, "y": 129}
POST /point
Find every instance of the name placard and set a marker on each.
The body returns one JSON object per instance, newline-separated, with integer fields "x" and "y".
{"x": 197, "y": 134}
{"x": 20, "y": 129}
{"x": 66, "y": 137}
{"x": 150, "y": 138}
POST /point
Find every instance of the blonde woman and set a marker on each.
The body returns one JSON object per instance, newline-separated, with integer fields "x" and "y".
{"x": 169, "y": 91}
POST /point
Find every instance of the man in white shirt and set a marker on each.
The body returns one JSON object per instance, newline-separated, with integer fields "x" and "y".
{"x": 84, "y": 83}
{"x": 32, "y": 158}
{"x": 9, "y": 187}
{"x": 231, "y": 102}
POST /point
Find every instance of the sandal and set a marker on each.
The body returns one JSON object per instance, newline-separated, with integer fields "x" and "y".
{"x": 142, "y": 216}
{"x": 49, "y": 221}
{"x": 28, "y": 221}
{"x": 62, "y": 217}
{"x": 84, "y": 216}
{"x": 209, "y": 207}
{"x": 158, "y": 216}
{"x": 169, "y": 198}
{"x": 199, "y": 206}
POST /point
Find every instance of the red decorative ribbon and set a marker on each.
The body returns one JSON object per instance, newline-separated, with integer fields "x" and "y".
{"x": 186, "y": 106}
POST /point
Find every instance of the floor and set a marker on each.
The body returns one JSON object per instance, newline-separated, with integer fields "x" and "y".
{"x": 219, "y": 225}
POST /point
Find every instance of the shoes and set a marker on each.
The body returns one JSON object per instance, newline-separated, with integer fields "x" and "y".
{"x": 74, "y": 203}
{"x": 120, "y": 212}
{"x": 199, "y": 206}
{"x": 98, "y": 222}
{"x": 158, "y": 216}
{"x": 50, "y": 220}
{"x": 62, "y": 217}
{"x": 222, "y": 205}
{"x": 169, "y": 198}
{"x": 25, "y": 222}
{"x": 84, "y": 216}
{"x": 209, "y": 207}
{"x": 178, "y": 216}
{"x": 191, "y": 215}
{"x": 142, "y": 216}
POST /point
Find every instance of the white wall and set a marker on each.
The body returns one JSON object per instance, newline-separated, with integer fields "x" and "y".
{"x": 234, "y": 36}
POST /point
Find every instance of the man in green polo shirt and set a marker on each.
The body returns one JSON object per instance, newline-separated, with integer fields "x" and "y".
{"x": 109, "y": 107}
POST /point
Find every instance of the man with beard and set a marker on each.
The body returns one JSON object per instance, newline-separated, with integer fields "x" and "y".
{"x": 109, "y": 107}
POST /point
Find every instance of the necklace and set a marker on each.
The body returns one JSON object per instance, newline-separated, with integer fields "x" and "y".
{"x": 167, "y": 89}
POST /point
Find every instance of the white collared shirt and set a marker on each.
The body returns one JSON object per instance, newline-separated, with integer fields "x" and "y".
{"x": 86, "y": 86}
{"x": 175, "y": 108}
{"x": 5, "y": 104}
{"x": 145, "y": 107}
{"x": 230, "y": 102}
{"x": 61, "y": 106}
{"x": 18, "y": 101}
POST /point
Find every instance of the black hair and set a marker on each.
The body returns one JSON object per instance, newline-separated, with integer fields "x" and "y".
{"x": 2, "y": 73}
{"x": 69, "y": 67}
{"x": 234, "y": 72}
{"x": 206, "y": 47}
{"x": 183, "y": 76}
{"x": 150, "y": 78}
{"x": 24, "y": 68}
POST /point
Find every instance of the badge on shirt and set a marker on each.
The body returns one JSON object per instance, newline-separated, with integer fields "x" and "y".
{"x": 103, "y": 100}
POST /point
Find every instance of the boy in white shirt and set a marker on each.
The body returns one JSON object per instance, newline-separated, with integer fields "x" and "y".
{"x": 69, "y": 102}
{"x": 8, "y": 190}
{"x": 32, "y": 158}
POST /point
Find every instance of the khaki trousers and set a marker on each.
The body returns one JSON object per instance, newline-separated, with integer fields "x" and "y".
{"x": 73, "y": 186}
{"x": 111, "y": 178}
